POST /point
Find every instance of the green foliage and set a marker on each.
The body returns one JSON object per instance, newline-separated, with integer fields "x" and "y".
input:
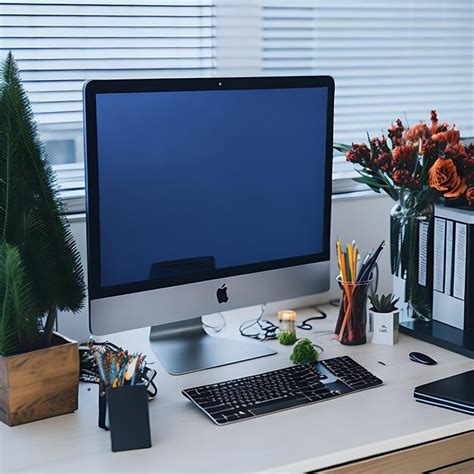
{"x": 374, "y": 179}
{"x": 287, "y": 338}
{"x": 32, "y": 217}
{"x": 304, "y": 352}
{"x": 377, "y": 181}
{"x": 384, "y": 303}
{"x": 19, "y": 325}
{"x": 341, "y": 147}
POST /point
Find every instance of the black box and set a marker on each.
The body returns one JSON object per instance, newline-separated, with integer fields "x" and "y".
{"x": 129, "y": 420}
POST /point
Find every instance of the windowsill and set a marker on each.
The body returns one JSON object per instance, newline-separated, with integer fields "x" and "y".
{"x": 70, "y": 180}
{"x": 76, "y": 203}
{"x": 359, "y": 194}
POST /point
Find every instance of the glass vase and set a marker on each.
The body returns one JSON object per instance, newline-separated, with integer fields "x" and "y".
{"x": 411, "y": 252}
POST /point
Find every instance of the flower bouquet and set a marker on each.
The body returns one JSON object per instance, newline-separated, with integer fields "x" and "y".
{"x": 416, "y": 167}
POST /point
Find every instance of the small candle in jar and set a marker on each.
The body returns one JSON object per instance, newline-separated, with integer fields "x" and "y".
{"x": 287, "y": 320}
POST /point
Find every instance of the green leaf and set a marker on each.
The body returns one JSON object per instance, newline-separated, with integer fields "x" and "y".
{"x": 32, "y": 216}
{"x": 384, "y": 303}
{"x": 19, "y": 323}
{"x": 369, "y": 182}
{"x": 342, "y": 147}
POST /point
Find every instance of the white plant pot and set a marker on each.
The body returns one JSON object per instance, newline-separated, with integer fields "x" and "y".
{"x": 384, "y": 327}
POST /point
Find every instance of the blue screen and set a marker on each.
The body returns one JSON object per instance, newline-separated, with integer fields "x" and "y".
{"x": 193, "y": 181}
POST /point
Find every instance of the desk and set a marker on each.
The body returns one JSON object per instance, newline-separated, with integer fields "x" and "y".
{"x": 302, "y": 439}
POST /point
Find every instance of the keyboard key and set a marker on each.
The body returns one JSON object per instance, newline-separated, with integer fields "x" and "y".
{"x": 268, "y": 407}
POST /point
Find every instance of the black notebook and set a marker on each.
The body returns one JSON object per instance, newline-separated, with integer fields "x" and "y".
{"x": 455, "y": 393}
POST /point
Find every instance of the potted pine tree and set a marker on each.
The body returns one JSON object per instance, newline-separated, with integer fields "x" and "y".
{"x": 40, "y": 269}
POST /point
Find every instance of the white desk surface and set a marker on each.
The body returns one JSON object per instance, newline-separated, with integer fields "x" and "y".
{"x": 306, "y": 438}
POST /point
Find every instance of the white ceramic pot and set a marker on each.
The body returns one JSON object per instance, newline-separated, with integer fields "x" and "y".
{"x": 384, "y": 327}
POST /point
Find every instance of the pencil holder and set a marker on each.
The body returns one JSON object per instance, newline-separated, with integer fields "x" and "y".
{"x": 351, "y": 324}
{"x": 129, "y": 421}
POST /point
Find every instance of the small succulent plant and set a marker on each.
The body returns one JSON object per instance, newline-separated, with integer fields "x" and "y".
{"x": 384, "y": 303}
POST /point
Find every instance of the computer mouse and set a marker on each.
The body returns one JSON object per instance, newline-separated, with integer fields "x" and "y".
{"x": 422, "y": 358}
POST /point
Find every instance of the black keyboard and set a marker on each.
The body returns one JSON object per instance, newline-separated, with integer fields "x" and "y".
{"x": 261, "y": 394}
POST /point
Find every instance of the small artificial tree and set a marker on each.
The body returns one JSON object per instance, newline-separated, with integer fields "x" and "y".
{"x": 40, "y": 266}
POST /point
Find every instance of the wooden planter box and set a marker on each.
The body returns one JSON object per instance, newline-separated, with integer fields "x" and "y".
{"x": 39, "y": 384}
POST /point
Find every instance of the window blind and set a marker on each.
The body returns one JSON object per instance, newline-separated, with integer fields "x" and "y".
{"x": 389, "y": 59}
{"x": 60, "y": 43}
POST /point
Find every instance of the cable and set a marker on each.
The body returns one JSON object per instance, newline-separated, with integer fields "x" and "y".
{"x": 375, "y": 280}
{"x": 305, "y": 324}
{"x": 216, "y": 329}
{"x": 266, "y": 329}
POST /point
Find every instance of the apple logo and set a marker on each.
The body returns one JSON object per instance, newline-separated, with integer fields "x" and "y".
{"x": 222, "y": 294}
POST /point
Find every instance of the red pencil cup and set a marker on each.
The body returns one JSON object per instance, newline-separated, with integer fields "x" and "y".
{"x": 352, "y": 321}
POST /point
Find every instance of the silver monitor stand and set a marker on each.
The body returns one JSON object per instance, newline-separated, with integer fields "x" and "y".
{"x": 185, "y": 346}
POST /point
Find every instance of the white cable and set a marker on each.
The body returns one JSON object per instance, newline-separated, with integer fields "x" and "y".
{"x": 216, "y": 329}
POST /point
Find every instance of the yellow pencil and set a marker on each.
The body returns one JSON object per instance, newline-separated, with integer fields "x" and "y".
{"x": 338, "y": 247}
{"x": 343, "y": 267}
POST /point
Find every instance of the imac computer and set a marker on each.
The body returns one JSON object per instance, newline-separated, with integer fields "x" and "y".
{"x": 204, "y": 195}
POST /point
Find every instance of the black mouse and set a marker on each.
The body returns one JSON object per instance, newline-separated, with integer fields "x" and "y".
{"x": 422, "y": 358}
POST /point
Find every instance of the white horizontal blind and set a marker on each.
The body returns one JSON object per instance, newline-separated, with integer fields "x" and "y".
{"x": 389, "y": 59}
{"x": 61, "y": 43}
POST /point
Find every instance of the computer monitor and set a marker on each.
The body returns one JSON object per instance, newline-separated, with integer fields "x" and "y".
{"x": 204, "y": 195}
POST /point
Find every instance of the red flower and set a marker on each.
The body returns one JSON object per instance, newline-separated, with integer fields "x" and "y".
{"x": 468, "y": 164}
{"x": 470, "y": 178}
{"x": 383, "y": 160}
{"x": 395, "y": 132}
{"x": 435, "y": 127}
{"x": 434, "y": 121}
{"x": 458, "y": 154}
{"x": 403, "y": 177}
{"x": 429, "y": 150}
{"x": 403, "y": 156}
{"x": 383, "y": 145}
{"x": 470, "y": 196}
{"x": 358, "y": 154}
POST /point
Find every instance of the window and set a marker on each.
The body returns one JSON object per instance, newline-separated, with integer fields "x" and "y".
{"x": 60, "y": 43}
{"x": 389, "y": 59}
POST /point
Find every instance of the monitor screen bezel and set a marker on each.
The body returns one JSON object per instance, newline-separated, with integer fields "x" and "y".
{"x": 94, "y": 87}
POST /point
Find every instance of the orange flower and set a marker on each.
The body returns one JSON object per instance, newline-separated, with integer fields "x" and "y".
{"x": 449, "y": 136}
{"x": 453, "y": 136}
{"x": 443, "y": 176}
{"x": 418, "y": 131}
{"x": 441, "y": 137}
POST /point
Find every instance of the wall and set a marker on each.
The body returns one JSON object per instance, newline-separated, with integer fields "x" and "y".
{"x": 363, "y": 217}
